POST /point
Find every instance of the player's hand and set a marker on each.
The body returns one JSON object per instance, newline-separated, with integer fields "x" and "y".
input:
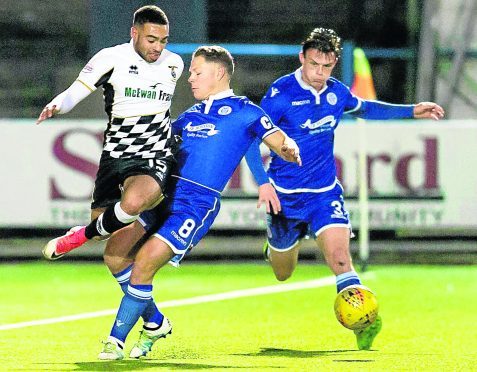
{"x": 268, "y": 196}
{"x": 290, "y": 151}
{"x": 47, "y": 113}
{"x": 428, "y": 110}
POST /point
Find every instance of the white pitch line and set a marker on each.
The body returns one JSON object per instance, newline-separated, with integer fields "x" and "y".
{"x": 260, "y": 291}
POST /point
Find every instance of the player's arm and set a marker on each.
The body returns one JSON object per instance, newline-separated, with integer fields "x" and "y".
{"x": 96, "y": 72}
{"x": 378, "y": 110}
{"x": 283, "y": 146}
{"x": 266, "y": 192}
{"x": 65, "y": 101}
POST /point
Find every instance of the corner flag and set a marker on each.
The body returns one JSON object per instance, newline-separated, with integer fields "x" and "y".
{"x": 363, "y": 85}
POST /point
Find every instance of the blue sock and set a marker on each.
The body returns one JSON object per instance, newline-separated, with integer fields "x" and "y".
{"x": 151, "y": 315}
{"x": 346, "y": 279}
{"x": 123, "y": 278}
{"x": 132, "y": 306}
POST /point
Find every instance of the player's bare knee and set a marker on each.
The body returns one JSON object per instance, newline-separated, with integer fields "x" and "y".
{"x": 282, "y": 275}
{"x": 134, "y": 206}
{"x": 115, "y": 263}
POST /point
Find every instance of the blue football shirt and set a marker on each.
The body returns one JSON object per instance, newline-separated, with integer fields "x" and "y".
{"x": 311, "y": 118}
{"x": 216, "y": 134}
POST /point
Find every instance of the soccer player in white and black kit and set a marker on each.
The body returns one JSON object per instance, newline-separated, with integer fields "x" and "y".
{"x": 138, "y": 79}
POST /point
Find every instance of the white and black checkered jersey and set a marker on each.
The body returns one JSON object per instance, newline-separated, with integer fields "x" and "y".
{"x": 137, "y": 97}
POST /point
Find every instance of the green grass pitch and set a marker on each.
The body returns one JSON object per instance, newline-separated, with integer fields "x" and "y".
{"x": 429, "y": 320}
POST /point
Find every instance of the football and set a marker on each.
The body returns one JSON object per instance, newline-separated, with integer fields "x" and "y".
{"x": 356, "y": 307}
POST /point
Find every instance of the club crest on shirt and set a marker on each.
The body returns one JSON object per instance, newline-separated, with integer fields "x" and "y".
{"x": 173, "y": 71}
{"x": 225, "y": 110}
{"x": 331, "y": 98}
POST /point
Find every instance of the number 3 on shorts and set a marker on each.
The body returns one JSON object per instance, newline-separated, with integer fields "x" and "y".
{"x": 186, "y": 228}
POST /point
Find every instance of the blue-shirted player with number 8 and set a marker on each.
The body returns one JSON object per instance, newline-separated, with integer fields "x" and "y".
{"x": 216, "y": 134}
{"x": 308, "y": 105}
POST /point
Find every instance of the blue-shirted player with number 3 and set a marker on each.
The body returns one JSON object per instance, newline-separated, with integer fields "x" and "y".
{"x": 216, "y": 134}
{"x": 308, "y": 105}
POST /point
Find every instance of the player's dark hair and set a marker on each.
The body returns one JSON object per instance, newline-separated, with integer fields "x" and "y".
{"x": 150, "y": 14}
{"x": 215, "y": 53}
{"x": 323, "y": 39}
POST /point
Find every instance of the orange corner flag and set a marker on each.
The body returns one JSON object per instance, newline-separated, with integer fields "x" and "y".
{"x": 363, "y": 85}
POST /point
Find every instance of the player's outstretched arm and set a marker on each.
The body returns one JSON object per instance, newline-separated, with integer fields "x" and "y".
{"x": 266, "y": 192}
{"x": 428, "y": 110}
{"x": 284, "y": 146}
{"x": 64, "y": 102}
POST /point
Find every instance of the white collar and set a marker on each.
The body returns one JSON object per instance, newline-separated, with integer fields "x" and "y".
{"x": 223, "y": 94}
{"x": 299, "y": 79}
{"x": 220, "y": 95}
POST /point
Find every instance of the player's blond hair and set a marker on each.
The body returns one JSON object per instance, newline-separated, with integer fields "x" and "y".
{"x": 218, "y": 54}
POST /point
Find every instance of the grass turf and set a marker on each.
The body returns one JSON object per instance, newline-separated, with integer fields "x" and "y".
{"x": 428, "y": 315}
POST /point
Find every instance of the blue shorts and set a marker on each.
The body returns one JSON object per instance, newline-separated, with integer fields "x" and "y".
{"x": 183, "y": 218}
{"x": 306, "y": 214}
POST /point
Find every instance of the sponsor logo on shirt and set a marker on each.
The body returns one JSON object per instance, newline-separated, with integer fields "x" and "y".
{"x": 225, "y": 110}
{"x": 299, "y": 103}
{"x": 201, "y": 130}
{"x": 148, "y": 94}
{"x": 274, "y": 92}
{"x": 326, "y": 123}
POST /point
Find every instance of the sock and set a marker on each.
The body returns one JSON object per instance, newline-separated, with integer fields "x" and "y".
{"x": 346, "y": 279}
{"x": 123, "y": 278}
{"x": 132, "y": 306}
{"x": 111, "y": 220}
{"x": 151, "y": 314}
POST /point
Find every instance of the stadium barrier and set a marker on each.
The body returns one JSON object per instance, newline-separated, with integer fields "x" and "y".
{"x": 420, "y": 176}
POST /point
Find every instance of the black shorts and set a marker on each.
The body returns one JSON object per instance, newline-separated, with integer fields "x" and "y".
{"x": 113, "y": 172}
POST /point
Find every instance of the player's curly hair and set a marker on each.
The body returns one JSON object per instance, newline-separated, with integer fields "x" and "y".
{"x": 150, "y": 14}
{"x": 325, "y": 40}
{"x": 218, "y": 54}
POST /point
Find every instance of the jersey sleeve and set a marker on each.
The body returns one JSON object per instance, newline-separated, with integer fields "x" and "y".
{"x": 97, "y": 70}
{"x": 377, "y": 110}
{"x": 262, "y": 126}
{"x": 255, "y": 164}
{"x": 352, "y": 102}
{"x": 274, "y": 104}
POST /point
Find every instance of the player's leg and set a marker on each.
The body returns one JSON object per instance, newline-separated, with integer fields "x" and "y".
{"x": 178, "y": 233}
{"x": 333, "y": 231}
{"x": 144, "y": 180}
{"x": 282, "y": 246}
{"x": 333, "y": 241}
{"x": 142, "y": 188}
{"x": 153, "y": 255}
{"x": 283, "y": 262}
{"x": 119, "y": 255}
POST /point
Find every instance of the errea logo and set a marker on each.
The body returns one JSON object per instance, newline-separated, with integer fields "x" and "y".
{"x": 133, "y": 69}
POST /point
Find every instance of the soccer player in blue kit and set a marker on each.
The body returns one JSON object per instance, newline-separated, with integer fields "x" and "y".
{"x": 216, "y": 134}
{"x": 308, "y": 105}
